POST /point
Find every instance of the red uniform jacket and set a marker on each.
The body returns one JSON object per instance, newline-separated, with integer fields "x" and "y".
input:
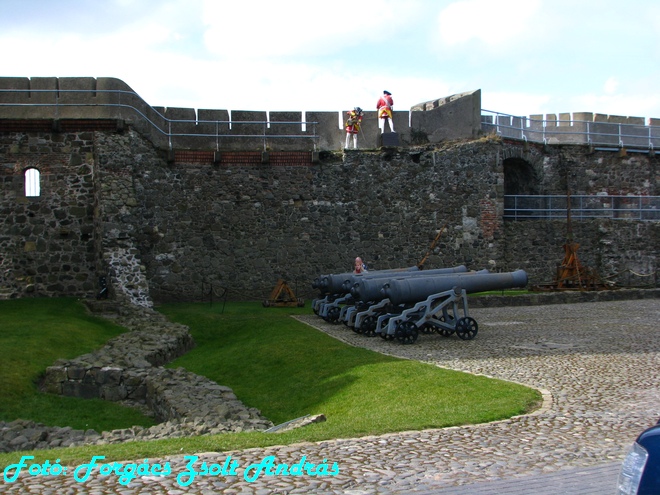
{"x": 384, "y": 106}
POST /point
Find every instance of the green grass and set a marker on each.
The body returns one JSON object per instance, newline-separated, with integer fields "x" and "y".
{"x": 506, "y": 292}
{"x": 37, "y": 332}
{"x": 287, "y": 370}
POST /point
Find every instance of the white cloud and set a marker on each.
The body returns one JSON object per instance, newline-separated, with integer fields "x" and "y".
{"x": 519, "y": 104}
{"x": 287, "y": 28}
{"x": 492, "y": 23}
{"x": 611, "y": 85}
{"x": 528, "y": 57}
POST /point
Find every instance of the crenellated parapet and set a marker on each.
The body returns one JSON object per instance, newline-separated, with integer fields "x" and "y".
{"x": 592, "y": 129}
{"x": 51, "y": 102}
{"x": 57, "y": 100}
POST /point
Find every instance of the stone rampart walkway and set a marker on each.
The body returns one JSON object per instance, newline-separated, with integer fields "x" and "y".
{"x": 600, "y": 363}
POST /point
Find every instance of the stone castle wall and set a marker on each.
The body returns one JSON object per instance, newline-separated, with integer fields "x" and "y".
{"x": 48, "y": 244}
{"x": 168, "y": 223}
{"x": 113, "y": 205}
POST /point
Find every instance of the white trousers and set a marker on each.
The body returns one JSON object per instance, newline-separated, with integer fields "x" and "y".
{"x": 381, "y": 124}
{"x": 348, "y": 140}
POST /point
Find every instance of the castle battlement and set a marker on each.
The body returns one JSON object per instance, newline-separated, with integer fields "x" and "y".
{"x": 458, "y": 116}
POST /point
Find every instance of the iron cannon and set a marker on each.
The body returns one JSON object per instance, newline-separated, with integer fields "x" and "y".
{"x": 369, "y": 320}
{"x": 355, "y": 278}
{"x": 370, "y": 288}
{"x": 400, "y": 291}
{"x": 402, "y": 305}
{"x": 343, "y": 303}
{"x": 334, "y": 283}
{"x": 441, "y": 304}
{"x": 334, "y": 294}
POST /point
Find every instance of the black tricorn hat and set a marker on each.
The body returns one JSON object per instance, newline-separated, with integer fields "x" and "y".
{"x": 387, "y": 93}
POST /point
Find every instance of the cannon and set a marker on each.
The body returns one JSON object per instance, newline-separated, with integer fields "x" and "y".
{"x": 437, "y": 305}
{"x": 411, "y": 290}
{"x": 355, "y": 278}
{"x": 335, "y": 292}
{"x": 344, "y": 304}
{"x": 369, "y": 320}
{"x": 334, "y": 283}
{"x": 366, "y": 292}
{"x": 369, "y": 288}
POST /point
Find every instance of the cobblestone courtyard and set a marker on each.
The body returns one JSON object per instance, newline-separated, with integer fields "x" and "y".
{"x": 598, "y": 365}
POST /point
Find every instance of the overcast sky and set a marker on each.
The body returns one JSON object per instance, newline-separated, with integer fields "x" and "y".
{"x": 526, "y": 56}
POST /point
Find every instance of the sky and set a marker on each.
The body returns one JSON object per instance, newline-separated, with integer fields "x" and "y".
{"x": 527, "y": 57}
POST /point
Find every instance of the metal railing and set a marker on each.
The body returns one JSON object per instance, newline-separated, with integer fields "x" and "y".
{"x": 607, "y": 135}
{"x": 113, "y": 103}
{"x": 524, "y": 207}
{"x": 84, "y": 104}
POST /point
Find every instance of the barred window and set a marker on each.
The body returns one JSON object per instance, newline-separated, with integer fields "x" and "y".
{"x": 32, "y": 182}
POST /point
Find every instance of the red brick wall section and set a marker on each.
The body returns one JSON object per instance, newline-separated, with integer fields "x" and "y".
{"x": 246, "y": 158}
{"x": 489, "y": 220}
{"x": 10, "y": 125}
{"x": 193, "y": 156}
{"x": 48, "y": 125}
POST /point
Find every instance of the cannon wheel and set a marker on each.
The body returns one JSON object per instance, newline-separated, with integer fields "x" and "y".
{"x": 368, "y": 326}
{"x": 333, "y": 315}
{"x": 428, "y": 329}
{"x": 406, "y": 332}
{"x": 467, "y": 328}
{"x": 446, "y": 332}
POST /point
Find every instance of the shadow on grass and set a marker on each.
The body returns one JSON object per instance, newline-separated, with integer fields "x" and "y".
{"x": 37, "y": 332}
{"x": 271, "y": 361}
{"x": 288, "y": 369}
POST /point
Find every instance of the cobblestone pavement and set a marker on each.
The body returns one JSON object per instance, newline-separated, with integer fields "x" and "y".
{"x": 597, "y": 363}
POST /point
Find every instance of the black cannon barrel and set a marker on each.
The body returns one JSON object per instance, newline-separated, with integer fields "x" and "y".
{"x": 316, "y": 283}
{"x": 357, "y": 277}
{"x": 369, "y": 289}
{"x": 333, "y": 283}
{"x": 409, "y": 290}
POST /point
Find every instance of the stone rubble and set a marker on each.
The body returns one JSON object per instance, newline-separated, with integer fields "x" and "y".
{"x": 128, "y": 369}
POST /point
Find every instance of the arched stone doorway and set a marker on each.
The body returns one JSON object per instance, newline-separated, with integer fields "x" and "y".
{"x": 520, "y": 177}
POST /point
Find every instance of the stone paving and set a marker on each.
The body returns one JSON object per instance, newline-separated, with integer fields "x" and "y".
{"x": 597, "y": 363}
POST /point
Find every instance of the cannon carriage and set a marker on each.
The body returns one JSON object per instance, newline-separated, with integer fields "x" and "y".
{"x": 348, "y": 292}
{"x": 401, "y": 305}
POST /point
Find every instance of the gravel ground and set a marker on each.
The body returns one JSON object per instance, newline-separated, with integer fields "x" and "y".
{"x": 597, "y": 364}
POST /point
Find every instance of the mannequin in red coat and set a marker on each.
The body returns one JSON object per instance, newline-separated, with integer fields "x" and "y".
{"x": 353, "y": 122}
{"x": 384, "y": 107}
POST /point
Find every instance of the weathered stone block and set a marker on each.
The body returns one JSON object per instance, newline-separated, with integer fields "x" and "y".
{"x": 76, "y": 372}
{"x": 113, "y": 393}
{"x": 390, "y": 139}
{"x": 53, "y": 379}
{"x": 109, "y": 375}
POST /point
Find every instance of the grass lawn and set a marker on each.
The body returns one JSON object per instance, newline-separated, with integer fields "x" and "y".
{"x": 37, "y": 332}
{"x": 287, "y": 370}
{"x": 505, "y": 292}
